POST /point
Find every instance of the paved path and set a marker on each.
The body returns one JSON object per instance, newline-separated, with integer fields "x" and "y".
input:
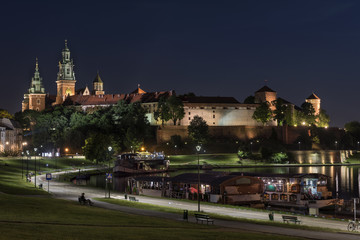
{"x": 71, "y": 192}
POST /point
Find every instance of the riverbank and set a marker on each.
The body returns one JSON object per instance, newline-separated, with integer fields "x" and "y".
{"x": 231, "y": 160}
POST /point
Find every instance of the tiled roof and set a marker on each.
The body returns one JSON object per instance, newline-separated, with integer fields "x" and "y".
{"x": 265, "y": 89}
{"x": 209, "y": 100}
{"x": 97, "y": 79}
{"x": 138, "y": 91}
{"x": 110, "y": 99}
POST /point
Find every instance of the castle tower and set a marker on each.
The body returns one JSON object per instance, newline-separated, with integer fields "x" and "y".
{"x": 66, "y": 76}
{"x": 265, "y": 94}
{"x": 35, "y": 98}
{"x": 98, "y": 85}
{"x": 315, "y": 101}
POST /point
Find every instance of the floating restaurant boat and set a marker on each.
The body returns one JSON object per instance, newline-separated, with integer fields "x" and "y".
{"x": 144, "y": 162}
{"x": 297, "y": 191}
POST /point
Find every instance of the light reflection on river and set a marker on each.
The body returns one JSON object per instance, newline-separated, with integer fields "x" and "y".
{"x": 348, "y": 177}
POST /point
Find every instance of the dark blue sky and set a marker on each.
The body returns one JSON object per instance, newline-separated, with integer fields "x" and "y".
{"x": 212, "y": 48}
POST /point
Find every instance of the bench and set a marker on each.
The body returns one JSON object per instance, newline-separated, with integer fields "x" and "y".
{"x": 290, "y": 219}
{"x": 202, "y": 218}
{"x": 85, "y": 202}
{"x": 133, "y": 199}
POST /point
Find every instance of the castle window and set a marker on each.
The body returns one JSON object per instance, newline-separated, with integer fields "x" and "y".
{"x": 68, "y": 71}
{"x": 213, "y": 116}
{"x": 213, "y": 111}
{"x": 213, "y": 107}
{"x": 201, "y": 107}
{"x": 225, "y": 108}
{"x": 214, "y": 123}
{"x": 189, "y": 113}
{"x": 38, "y": 101}
{"x": 189, "y": 118}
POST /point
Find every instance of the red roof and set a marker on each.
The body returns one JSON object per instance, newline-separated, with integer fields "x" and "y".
{"x": 110, "y": 99}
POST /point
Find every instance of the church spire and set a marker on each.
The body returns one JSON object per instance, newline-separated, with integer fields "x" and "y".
{"x": 36, "y": 65}
{"x": 36, "y": 85}
{"x": 66, "y": 65}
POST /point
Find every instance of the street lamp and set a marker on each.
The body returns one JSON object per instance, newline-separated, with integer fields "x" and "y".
{"x": 22, "y": 160}
{"x": 22, "y": 165}
{"x": 299, "y": 145}
{"x": 27, "y": 165}
{"x": 358, "y": 145}
{"x": 198, "y": 148}
{"x": 251, "y": 143}
{"x": 336, "y": 142}
{"x": 108, "y": 178}
{"x": 35, "y": 149}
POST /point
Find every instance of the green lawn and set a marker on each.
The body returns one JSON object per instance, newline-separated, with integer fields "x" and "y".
{"x": 221, "y": 159}
{"x": 139, "y": 205}
{"x": 11, "y": 180}
{"x": 354, "y": 159}
{"x": 45, "y": 218}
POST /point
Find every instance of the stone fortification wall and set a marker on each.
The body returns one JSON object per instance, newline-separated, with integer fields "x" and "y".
{"x": 321, "y": 156}
{"x": 286, "y": 134}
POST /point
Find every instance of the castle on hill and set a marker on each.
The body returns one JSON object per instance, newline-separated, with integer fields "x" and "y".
{"x": 216, "y": 111}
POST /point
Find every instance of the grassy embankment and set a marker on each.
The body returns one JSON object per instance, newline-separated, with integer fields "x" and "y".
{"x": 30, "y": 217}
{"x": 230, "y": 160}
{"x": 148, "y": 206}
{"x": 225, "y": 159}
{"x": 354, "y": 159}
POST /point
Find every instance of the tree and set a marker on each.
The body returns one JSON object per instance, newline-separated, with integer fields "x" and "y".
{"x": 354, "y": 129}
{"x": 162, "y": 112}
{"x": 262, "y": 113}
{"x": 323, "y": 119}
{"x": 290, "y": 117}
{"x": 96, "y": 147}
{"x": 249, "y": 100}
{"x": 176, "y": 108}
{"x": 198, "y": 130}
{"x": 279, "y": 112}
{"x": 5, "y": 114}
{"x": 308, "y": 113}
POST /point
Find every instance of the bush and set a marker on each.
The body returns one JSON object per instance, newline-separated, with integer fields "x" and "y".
{"x": 279, "y": 157}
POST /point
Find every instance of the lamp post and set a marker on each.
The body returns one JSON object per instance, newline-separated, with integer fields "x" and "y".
{"x": 35, "y": 149}
{"x": 299, "y": 145}
{"x": 198, "y": 148}
{"x": 22, "y": 165}
{"x": 108, "y": 179}
{"x": 358, "y": 145}
{"x": 251, "y": 143}
{"x": 22, "y": 160}
{"x": 336, "y": 143}
{"x": 27, "y": 165}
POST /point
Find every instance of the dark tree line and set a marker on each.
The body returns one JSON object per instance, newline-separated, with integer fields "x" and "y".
{"x": 122, "y": 126}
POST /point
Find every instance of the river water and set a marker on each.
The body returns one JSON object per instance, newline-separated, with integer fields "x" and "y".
{"x": 344, "y": 180}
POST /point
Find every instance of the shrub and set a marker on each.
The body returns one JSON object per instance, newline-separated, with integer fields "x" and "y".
{"x": 279, "y": 157}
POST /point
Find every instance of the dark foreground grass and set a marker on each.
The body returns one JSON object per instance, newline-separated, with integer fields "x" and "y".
{"x": 47, "y": 218}
{"x": 216, "y": 216}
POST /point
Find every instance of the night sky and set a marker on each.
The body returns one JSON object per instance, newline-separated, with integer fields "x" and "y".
{"x": 211, "y": 48}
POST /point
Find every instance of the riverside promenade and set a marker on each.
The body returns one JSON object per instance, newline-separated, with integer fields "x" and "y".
{"x": 70, "y": 191}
